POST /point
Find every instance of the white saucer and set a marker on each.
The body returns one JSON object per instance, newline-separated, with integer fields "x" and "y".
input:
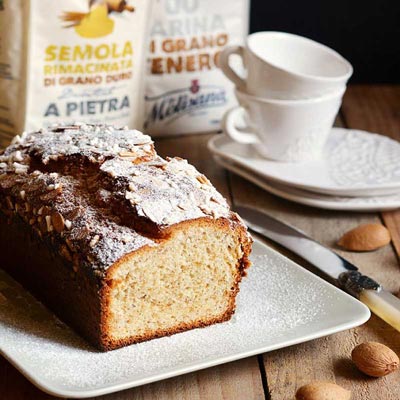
{"x": 354, "y": 163}
{"x": 377, "y": 203}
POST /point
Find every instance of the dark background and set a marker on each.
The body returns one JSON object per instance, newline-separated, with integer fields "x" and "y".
{"x": 366, "y": 33}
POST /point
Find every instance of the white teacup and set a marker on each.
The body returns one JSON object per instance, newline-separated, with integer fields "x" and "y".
{"x": 285, "y": 66}
{"x": 283, "y": 130}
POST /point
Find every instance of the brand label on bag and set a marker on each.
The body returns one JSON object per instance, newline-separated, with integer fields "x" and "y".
{"x": 186, "y": 91}
{"x": 84, "y": 61}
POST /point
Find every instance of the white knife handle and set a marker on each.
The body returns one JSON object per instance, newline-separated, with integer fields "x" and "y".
{"x": 384, "y": 304}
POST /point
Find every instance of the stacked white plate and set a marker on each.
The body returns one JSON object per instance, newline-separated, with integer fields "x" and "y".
{"x": 358, "y": 171}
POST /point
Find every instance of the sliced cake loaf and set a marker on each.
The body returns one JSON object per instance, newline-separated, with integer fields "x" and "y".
{"x": 121, "y": 244}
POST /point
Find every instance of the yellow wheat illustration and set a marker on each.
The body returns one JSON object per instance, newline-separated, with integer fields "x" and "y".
{"x": 96, "y": 22}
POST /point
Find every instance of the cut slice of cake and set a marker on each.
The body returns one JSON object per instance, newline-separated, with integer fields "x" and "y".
{"x": 123, "y": 245}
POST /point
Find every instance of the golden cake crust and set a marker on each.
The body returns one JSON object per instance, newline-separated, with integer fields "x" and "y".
{"x": 86, "y": 198}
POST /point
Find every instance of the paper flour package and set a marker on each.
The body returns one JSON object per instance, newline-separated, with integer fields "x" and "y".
{"x": 71, "y": 60}
{"x": 186, "y": 91}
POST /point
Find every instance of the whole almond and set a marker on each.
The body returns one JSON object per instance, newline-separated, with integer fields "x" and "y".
{"x": 320, "y": 390}
{"x": 375, "y": 359}
{"x": 365, "y": 237}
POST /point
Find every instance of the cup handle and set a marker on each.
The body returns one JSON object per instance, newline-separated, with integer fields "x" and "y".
{"x": 229, "y": 126}
{"x": 227, "y": 69}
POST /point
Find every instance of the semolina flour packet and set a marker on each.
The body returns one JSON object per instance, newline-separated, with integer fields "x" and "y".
{"x": 71, "y": 60}
{"x": 186, "y": 92}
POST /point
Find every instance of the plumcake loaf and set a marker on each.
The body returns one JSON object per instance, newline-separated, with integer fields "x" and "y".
{"x": 121, "y": 244}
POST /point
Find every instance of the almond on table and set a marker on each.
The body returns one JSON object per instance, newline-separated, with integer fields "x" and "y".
{"x": 366, "y": 237}
{"x": 320, "y": 390}
{"x": 375, "y": 359}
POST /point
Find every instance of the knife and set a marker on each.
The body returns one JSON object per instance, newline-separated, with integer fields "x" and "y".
{"x": 344, "y": 274}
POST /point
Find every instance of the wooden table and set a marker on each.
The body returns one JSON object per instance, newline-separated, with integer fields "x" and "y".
{"x": 278, "y": 374}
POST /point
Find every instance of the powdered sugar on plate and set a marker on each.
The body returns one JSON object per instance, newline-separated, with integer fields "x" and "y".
{"x": 279, "y": 304}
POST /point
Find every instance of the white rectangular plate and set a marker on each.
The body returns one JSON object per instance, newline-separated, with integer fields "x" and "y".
{"x": 279, "y": 304}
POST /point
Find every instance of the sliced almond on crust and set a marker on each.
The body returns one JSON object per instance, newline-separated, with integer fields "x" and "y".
{"x": 58, "y": 222}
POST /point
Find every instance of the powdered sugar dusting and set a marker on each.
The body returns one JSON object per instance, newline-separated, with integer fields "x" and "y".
{"x": 278, "y": 302}
{"x": 97, "y": 192}
{"x": 96, "y": 142}
{"x": 166, "y": 192}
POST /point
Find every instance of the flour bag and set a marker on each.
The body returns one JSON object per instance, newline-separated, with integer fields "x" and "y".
{"x": 186, "y": 91}
{"x": 71, "y": 60}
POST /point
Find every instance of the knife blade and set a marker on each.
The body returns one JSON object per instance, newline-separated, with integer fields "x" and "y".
{"x": 343, "y": 273}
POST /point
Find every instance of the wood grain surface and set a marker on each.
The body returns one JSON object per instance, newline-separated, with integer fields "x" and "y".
{"x": 278, "y": 374}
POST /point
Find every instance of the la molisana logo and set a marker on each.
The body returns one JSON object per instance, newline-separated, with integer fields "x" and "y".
{"x": 96, "y": 22}
{"x": 193, "y": 97}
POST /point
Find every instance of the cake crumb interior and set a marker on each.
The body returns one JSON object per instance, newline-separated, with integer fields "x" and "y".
{"x": 188, "y": 278}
